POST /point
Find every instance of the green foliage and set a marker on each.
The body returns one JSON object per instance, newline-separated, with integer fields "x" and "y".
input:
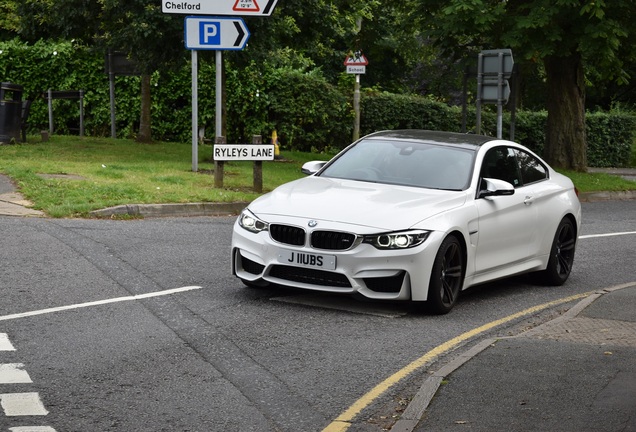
{"x": 9, "y": 20}
{"x": 286, "y": 94}
{"x": 610, "y": 137}
{"x": 530, "y": 129}
{"x": 395, "y": 111}
{"x": 307, "y": 111}
{"x": 535, "y": 29}
{"x": 58, "y": 66}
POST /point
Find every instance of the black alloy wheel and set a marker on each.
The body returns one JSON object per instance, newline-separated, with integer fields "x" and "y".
{"x": 446, "y": 277}
{"x": 561, "y": 254}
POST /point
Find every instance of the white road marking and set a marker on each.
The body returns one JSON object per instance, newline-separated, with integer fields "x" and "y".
{"x": 98, "y": 303}
{"x": 32, "y": 429}
{"x": 607, "y": 235}
{"x": 5, "y": 343}
{"x": 13, "y": 373}
{"x": 22, "y": 404}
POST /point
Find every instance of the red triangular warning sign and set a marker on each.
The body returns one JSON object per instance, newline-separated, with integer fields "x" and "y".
{"x": 246, "y": 6}
{"x": 356, "y": 59}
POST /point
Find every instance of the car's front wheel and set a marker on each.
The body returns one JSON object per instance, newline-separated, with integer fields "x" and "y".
{"x": 561, "y": 254}
{"x": 446, "y": 277}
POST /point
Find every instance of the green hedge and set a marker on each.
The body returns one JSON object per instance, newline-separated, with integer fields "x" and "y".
{"x": 609, "y": 138}
{"x": 610, "y": 135}
{"x": 307, "y": 112}
{"x": 68, "y": 66}
{"x": 391, "y": 111}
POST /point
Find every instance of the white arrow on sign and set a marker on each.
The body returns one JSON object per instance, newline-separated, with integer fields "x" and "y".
{"x": 215, "y": 33}
{"x": 219, "y": 7}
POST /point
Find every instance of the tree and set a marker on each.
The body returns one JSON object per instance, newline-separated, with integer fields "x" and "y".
{"x": 151, "y": 39}
{"x": 574, "y": 41}
{"x": 8, "y": 19}
{"x": 325, "y": 31}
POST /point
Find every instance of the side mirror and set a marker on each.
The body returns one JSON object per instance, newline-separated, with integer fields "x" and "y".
{"x": 312, "y": 167}
{"x": 495, "y": 187}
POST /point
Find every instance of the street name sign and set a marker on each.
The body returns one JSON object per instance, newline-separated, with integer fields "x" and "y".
{"x": 219, "y": 7}
{"x": 358, "y": 70}
{"x": 246, "y": 152}
{"x": 215, "y": 33}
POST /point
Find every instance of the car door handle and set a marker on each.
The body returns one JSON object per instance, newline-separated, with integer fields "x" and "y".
{"x": 528, "y": 200}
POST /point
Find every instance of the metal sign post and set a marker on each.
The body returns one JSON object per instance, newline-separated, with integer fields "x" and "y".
{"x": 218, "y": 117}
{"x": 493, "y": 71}
{"x": 356, "y": 64}
{"x": 195, "y": 111}
{"x": 117, "y": 63}
{"x": 211, "y": 33}
{"x": 214, "y": 33}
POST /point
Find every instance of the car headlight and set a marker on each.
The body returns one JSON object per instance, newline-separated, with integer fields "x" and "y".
{"x": 251, "y": 223}
{"x": 397, "y": 240}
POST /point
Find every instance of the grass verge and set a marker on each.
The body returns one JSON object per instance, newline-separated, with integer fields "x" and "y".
{"x": 71, "y": 176}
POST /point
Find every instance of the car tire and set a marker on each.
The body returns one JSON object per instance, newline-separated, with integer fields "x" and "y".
{"x": 561, "y": 255}
{"x": 447, "y": 277}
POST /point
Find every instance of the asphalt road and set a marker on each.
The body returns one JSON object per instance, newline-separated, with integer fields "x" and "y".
{"x": 220, "y": 357}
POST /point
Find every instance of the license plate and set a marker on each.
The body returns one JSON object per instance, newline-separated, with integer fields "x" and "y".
{"x": 305, "y": 259}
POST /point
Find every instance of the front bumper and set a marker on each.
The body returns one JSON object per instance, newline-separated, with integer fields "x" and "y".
{"x": 370, "y": 272}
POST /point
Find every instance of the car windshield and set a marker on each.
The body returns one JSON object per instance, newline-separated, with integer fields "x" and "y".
{"x": 407, "y": 163}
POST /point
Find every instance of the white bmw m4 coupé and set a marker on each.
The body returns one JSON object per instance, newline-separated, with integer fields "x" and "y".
{"x": 412, "y": 215}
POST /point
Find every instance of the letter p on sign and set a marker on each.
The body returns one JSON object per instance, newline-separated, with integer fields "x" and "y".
{"x": 210, "y": 33}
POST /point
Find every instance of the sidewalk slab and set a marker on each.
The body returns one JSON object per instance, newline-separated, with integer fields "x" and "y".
{"x": 575, "y": 373}
{"x": 14, "y": 204}
{"x": 526, "y": 384}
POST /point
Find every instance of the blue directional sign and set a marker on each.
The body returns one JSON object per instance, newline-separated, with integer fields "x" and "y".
{"x": 215, "y": 33}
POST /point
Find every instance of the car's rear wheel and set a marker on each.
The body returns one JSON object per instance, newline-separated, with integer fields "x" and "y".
{"x": 561, "y": 254}
{"x": 446, "y": 277}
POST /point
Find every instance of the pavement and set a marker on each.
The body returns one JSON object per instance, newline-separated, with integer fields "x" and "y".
{"x": 574, "y": 373}
{"x": 12, "y": 203}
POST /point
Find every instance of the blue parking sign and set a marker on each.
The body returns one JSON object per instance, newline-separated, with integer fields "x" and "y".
{"x": 215, "y": 33}
{"x": 210, "y": 33}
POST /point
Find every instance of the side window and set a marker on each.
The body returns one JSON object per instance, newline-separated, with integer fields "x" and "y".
{"x": 500, "y": 164}
{"x": 532, "y": 170}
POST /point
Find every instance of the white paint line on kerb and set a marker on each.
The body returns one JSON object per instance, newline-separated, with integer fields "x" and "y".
{"x": 98, "y": 303}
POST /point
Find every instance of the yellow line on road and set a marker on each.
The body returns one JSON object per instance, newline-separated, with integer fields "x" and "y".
{"x": 343, "y": 421}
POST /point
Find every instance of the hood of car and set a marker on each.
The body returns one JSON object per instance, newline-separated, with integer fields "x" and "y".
{"x": 375, "y": 205}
